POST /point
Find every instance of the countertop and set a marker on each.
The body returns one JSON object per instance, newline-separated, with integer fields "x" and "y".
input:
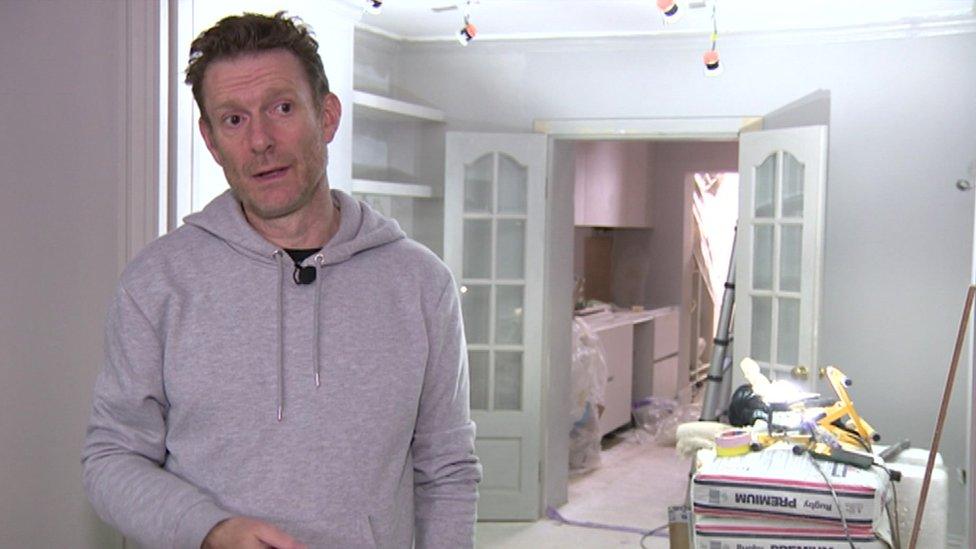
{"x": 620, "y": 317}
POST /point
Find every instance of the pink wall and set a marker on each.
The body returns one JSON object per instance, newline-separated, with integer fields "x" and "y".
{"x": 648, "y": 263}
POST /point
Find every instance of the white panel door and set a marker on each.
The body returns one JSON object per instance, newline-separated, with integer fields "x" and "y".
{"x": 780, "y": 251}
{"x": 494, "y": 235}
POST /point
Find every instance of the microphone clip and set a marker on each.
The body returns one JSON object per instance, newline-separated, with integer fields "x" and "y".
{"x": 304, "y": 275}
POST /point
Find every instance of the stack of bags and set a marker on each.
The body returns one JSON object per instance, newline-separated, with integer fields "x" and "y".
{"x": 774, "y": 498}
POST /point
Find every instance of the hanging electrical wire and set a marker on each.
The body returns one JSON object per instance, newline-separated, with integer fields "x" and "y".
{"x": 711, "y": 58}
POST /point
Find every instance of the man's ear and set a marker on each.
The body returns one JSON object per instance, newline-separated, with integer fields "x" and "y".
{"x": 331, "y": 110}
{"x": 208, "y": 138}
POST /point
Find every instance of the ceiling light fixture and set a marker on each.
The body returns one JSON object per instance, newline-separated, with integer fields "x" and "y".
{"x": 373, "y": 7}
{"x": 467, "y": 32}
{"x": 711, "y": 58}
{"x": 671, "y": 11}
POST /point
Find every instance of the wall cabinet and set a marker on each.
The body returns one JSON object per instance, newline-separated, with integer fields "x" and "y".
{"x": 613, "y": 187}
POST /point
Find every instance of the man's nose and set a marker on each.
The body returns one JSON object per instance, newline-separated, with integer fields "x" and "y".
{"x": 260, "y": 136}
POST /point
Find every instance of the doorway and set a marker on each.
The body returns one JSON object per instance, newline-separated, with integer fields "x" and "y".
{"x": 656, "y": 268}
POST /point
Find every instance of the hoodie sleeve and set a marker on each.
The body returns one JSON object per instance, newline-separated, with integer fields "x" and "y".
{"x": 446, "y": 470}
{"x": 125, "y": 445}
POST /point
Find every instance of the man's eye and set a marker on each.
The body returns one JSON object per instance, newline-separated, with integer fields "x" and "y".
{"x": 284, "y": 108}
{"x": 233, "y": 120}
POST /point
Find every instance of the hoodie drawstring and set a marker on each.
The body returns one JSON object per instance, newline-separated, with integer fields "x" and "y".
{"x": 316, "y": 365}
{"x": 279, "y": 256}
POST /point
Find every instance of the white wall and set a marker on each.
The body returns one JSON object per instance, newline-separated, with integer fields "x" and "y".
{"x": 558, "y": 325}
{"x": 62, "y": 104}
{"x": 899, "y": 243}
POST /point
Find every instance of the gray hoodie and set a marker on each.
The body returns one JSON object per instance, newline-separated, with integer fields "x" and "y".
{"x": 337, "y": 410}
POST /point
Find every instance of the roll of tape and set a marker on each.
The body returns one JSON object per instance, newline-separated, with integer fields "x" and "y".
{"x": 733, "y": 442}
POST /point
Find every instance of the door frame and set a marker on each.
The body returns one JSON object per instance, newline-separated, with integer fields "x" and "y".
{"x": 559, "y": 201}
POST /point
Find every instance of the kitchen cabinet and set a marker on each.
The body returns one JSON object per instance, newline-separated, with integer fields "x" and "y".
{"x": 618, "y": 343}
{"x": 641, "y": 351}
{"x": 613, "y": 187}
{"x": 656, "y": 356}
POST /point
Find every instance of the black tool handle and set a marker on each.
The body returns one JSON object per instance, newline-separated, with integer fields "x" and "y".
{"x": 892, "y": 451}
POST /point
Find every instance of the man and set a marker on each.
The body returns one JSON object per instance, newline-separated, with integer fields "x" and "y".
{"x": 286, "y": 368}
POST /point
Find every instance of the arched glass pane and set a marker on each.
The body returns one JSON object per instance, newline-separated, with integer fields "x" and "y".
{"x": 477, "y": 248}
{"x": 476, "y": 312}
{"x": 479, "y": 369}
{"x": 508, "y": 324}
{"x": 510, "y": 256}
{"x": 478, "y": 188}
{"x": 508, "y": 380}
{"x": 792, "y": 186}
{"x": 765, "y": 187}
{"x": 790, "y": 254}
{"x": 512, "y": 181}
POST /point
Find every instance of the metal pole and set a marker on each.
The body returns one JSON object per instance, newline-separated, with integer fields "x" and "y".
{"x": 716, "y": 370}
{"x": 940, "y": 422}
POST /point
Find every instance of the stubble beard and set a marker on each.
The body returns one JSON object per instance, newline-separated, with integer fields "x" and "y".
{"x": 315, "y": 180}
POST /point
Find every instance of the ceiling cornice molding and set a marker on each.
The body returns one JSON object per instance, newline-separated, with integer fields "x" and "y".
{"x": 350, "y": 9}
{"x": 907, "y": 28}
{"x": 381, "y": 32}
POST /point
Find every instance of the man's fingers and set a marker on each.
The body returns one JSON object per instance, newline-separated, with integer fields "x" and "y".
{"x": 274, "y": 537}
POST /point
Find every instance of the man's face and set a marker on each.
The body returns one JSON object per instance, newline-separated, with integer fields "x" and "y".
{"x": 266, "y": 131}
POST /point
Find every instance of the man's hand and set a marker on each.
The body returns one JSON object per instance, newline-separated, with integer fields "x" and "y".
{"x": 247, "y": 533}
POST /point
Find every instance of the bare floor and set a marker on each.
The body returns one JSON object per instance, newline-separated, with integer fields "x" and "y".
{"x": 634, "y": 486}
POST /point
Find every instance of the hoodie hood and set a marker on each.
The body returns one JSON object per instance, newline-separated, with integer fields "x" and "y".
{"x": 360, "y": 228}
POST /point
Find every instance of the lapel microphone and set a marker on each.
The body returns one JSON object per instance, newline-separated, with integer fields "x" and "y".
{"x": 303, "y": 275}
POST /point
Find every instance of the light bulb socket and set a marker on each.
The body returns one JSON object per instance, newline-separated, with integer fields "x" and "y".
{"x": 711, "y": 61}
{"x": 671, "y": 11}
{"x": 467, "y": 33}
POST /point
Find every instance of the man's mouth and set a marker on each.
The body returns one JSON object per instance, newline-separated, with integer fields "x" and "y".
{"x": 274, "y": 173}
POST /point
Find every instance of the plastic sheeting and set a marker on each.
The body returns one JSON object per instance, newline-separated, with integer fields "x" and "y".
{"x": 588, "y": 379}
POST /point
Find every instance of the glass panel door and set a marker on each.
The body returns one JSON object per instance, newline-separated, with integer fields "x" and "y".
{"x": 777, "y": 247}
{"x": 493, "y": 279}
{"x": 494, "y": 243}
{"x": 783, "y": 173}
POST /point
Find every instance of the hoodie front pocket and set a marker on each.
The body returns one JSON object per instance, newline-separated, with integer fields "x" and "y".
{"x": 392, "y": 526}
{"x": 339, "y": 531}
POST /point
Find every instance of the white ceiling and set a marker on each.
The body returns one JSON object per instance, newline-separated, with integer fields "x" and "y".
{"x": 414, "y": 20}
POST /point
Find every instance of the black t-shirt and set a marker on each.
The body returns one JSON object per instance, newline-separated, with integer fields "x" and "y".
{"x": 302, "y": 275}
{"x": 300, "y": 255}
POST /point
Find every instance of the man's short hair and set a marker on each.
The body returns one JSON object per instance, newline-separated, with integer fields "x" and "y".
{"x": 251, "y": 33}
